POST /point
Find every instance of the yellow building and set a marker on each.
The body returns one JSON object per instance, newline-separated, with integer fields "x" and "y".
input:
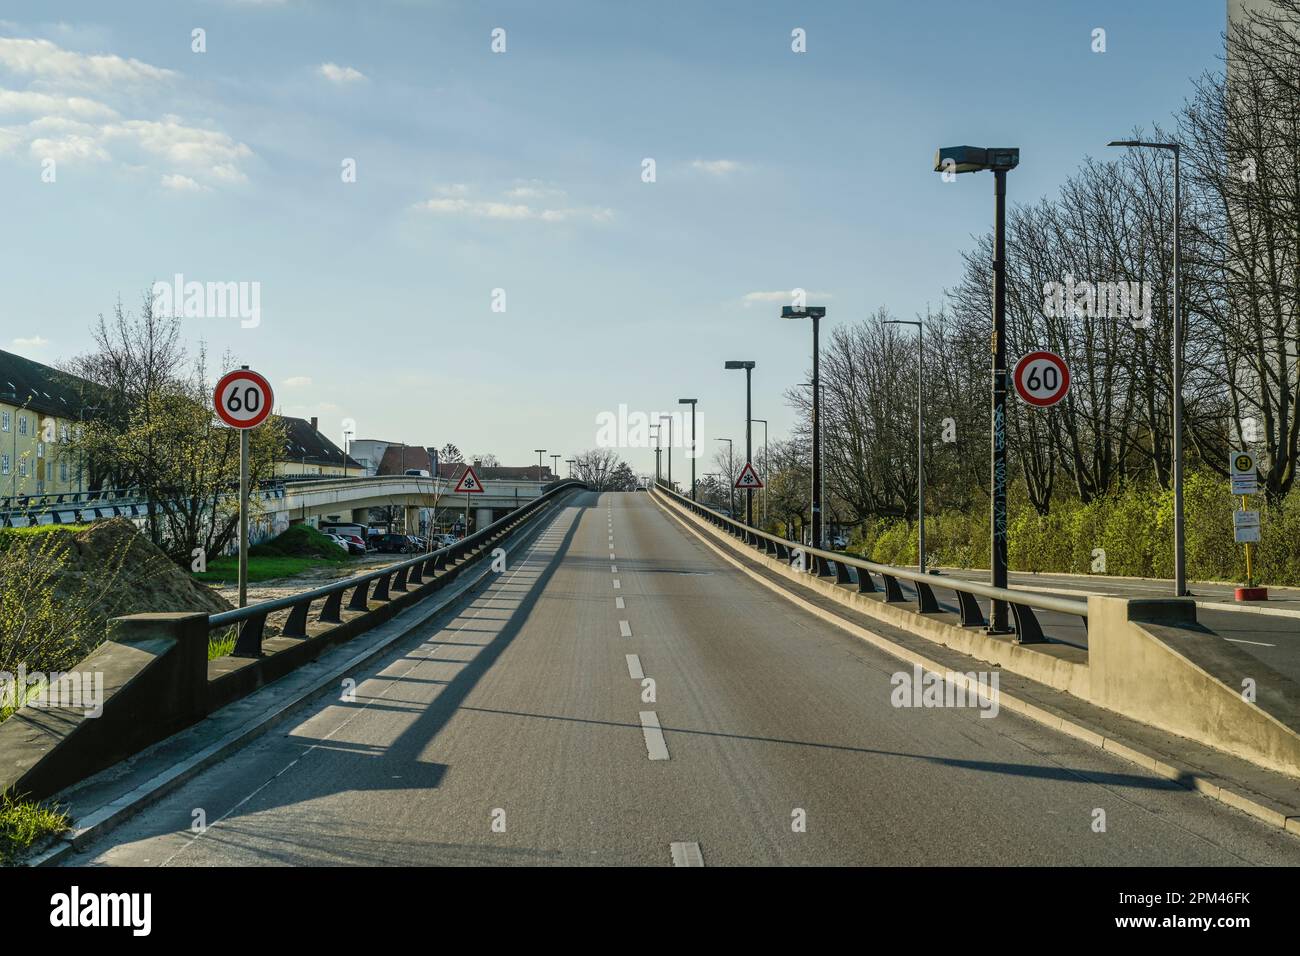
{"x": 41, "y": 408}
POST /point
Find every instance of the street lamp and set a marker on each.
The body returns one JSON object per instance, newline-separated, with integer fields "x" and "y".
{"x": 1180, "y": 555}
{"x": 920, "y": 441}
{"x": 766, "y": 476}
{"x": 694, "y": 452}
{"x": 749, "y": 449}
{"x": 669, "y": 420}
{"x": 658, "y": 452}
{"x": 555, "y": 465}
{"x": 816, "y": 313}
{"x": 540, "y": 453}
{"x": 731, "y": 476}
{"x": 570, "y": 462}
{"x": 1000, "y": 161}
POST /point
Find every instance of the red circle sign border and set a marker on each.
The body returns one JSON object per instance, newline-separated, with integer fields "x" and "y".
{"x": 1055, "y": 360}
{"x": 237, "y": 374}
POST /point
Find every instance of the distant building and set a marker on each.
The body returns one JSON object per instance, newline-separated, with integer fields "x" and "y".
{"x": 498, "y": 472}
{"x": 369, "y": 452}
{"x": 399, "y": 459}
{"x": 308, "y": 452}
{"x": 41, "y": 408}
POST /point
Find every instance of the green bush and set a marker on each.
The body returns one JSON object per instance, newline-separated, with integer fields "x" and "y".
{"x": 299, "y": 541}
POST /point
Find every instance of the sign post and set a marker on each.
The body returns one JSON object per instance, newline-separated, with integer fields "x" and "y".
{"x": 1245, "y": 522}
{"x": 243, "y": 400}
{"x": 470, "y": 485}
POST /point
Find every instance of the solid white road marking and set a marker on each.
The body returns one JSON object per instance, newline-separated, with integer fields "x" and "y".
{"x": 634, "y": 667}
{"x": 655, "y": 745}
{"x": 686, "y": 854}
{"x": 618, "y": 603}
{"x": 1237, "y": 640}
{"x": 624, "y": 628}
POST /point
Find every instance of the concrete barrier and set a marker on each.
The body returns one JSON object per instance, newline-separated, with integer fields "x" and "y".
{"x": 1151, "y": 661}
{"x": 149, "y": 679}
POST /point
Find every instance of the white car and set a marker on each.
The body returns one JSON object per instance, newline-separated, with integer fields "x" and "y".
{"x": 340, "y": 542}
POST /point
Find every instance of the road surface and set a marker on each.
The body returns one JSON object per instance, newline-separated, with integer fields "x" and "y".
{"x": 516, "y": 732}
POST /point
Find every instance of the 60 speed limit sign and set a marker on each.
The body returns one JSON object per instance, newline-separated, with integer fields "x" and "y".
{"x": 243, "y": 398}
{"x": 1042, "y": 378}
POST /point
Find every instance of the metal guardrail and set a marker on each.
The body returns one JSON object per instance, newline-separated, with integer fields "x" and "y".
{"x": 392, "y": 578}
{"x": 90, "y": 505}
{"x": 833, "y": 564}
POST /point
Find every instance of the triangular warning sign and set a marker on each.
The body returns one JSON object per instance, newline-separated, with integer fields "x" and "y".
{"x": 469, "y": 483}
{"x": 748, "y": 478}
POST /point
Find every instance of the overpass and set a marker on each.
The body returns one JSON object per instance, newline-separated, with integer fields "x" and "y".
{"x": 288, "y": 500}
{"x": 640, "y": 683}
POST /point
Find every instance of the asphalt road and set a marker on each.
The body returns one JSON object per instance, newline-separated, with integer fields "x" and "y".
{"x": 517, "y": 733}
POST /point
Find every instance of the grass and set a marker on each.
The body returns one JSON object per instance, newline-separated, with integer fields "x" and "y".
{"x": 259, "y": 569}
{"x": 23, "y": 824}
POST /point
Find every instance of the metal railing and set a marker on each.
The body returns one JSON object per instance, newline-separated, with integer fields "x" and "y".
{"x": 826, "y": 564}
{"x": 101, "y": 503}
{"x": 394, "y": 578}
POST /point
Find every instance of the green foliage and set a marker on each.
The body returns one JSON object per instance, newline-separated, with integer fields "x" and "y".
{"x": 23, "y": 823}
{"x": 261, "y": 568}
{"x": 300, "y": 541}
{"x": 1134, "y": 528}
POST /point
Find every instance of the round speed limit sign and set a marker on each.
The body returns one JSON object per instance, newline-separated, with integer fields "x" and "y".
{"x": 243, "y": 398}
{"x": 1042, "y": 378}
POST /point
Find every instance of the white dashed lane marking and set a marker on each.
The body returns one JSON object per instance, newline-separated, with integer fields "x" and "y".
{"x": 634, "y": 667}
{"x": 655, "y": 745}
{"x": 624, "y": 629}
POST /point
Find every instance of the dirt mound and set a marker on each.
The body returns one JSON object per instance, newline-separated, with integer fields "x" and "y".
{"x": 118, "y": 571}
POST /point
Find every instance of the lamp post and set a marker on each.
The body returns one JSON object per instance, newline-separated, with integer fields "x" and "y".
{"x": 1180, "y": 542}
{"x": 766, "y": 476}
{"x": 920, "y": 441}
{"x": 970, "y": 159}
{"x": 555, "y": 465}
{"x": 540, "y": 453}
{"x": 654, "y": 429}
{"x": 694, "y": 450}
{"x": 816, "y": 313}
{"x": 669, "y": 420}
{"x": 749, "y": 449}
{"x": 570, "y": 462}
{"x": 731, "y": 476}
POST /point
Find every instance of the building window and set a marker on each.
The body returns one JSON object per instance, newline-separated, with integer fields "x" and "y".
{"x": 49, "y": 471}
{"x": 22, "y": 466}
{"x": 4, "y": 421}
{"x": 63, "y": 434}
{"x": 63, "y": 472}
{"x": 40, "y": 449}
{"x": 4, "y": 464}
{"x": 22, "y": 424}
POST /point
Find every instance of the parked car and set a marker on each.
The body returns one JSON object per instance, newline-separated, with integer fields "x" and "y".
{"x": 394, "y": 544}
{"x": 355, "y": 544}
{"x": 339, "y": 541}
{"x": 839, "y": 542}
{"x": 419, "y": 543}
{"x": 416, "y": 472}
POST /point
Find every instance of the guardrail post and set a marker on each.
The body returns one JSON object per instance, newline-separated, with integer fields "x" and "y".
{"x": 249, "y": 641}
{"x": 358, "y": 602}
{"x": 330, "y": 613}
{"x": 865, "y": 584}
{"x": 842, "y": 573}
{"x": 971, "y": 614}
{"x": 296, "y": 626}
{"x": 925, "y": 600}
{"x": 399, "y": 580}
{"x": 893, "y": 593}
{"x": 1028, "y": 630}
{"x": 821, "y": 566}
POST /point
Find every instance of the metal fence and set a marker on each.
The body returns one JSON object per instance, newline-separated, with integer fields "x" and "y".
{"x": 848, "y": 570}
{"x": 394, "y": 578}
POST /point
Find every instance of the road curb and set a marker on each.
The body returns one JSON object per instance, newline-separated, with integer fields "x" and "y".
{"x": 1186, "y": 777}
{"x": 102, "y": 819}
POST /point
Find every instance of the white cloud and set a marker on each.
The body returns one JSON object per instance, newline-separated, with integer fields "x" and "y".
{"x": 30, "y": 102}
{"x": 716, "y": 167}
{"x": 182, "y": 184}
{"x": 340, "y": 74}
{"x": 47, "y": 62}
{"x": 54, "y": 121}
{"x": 454, "y": 204}
{"x": 35, "y": 342}
{"x": 298, "y": 381}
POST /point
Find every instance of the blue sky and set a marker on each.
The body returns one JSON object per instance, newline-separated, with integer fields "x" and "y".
{"x": 522, "y": 171}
